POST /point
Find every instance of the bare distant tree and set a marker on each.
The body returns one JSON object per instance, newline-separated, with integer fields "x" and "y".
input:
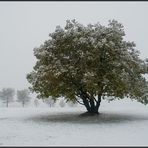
{"x": 23, "y": 96}
{"x": 62, "y": 103}
{"x": 7, "y": 95}
{"x": 71, "y": 104}
{"x": 36, "y": 102}
{"x": 49, "y": 101}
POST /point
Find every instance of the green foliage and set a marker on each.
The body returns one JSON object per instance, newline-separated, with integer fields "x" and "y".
{"x": 92, "y": 58}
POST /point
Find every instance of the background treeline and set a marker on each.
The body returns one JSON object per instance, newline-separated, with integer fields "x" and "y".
{"x": 24, "y": 97}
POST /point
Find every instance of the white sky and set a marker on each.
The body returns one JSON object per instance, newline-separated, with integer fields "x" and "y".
{"x": 25, "y": 25}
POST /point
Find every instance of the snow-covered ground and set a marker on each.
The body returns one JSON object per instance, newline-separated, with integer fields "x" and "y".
{"x": 120, "y": 123}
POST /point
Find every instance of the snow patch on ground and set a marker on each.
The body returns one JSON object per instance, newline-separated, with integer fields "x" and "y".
{"x": 120, "y": 123}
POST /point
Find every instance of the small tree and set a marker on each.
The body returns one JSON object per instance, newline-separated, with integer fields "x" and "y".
{"x": 49, "y": 101}
{"x": 62, "y": 102}
{"x": 85, "y": 64}
{"x": 23, "y": 96}
{"x": 72, "y": 104}
{"x": 7, "y": 95}
{"x": 36, "y": 102}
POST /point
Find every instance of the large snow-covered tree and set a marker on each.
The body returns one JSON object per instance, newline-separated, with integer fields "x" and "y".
{"x": 23, "y": 96}
{"x": 7, "y": 95}
{"x": 87, "y": 63}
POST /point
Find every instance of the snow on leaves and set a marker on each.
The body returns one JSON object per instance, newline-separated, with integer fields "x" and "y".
{"x": 93, "y": 57}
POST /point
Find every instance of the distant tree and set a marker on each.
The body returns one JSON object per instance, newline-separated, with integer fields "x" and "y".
{"x": 62, "y": 102}
{"x": 36, "y": 102}
{"x": 7, "y": 95}
{"x": 23, "y": 96}
{"x": 86, "y": 64}
{"x": 71, "y": 104}
{"x": 49, "y": 101}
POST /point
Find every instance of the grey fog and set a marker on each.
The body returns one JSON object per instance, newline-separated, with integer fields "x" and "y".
{"x": 26, "y": 25}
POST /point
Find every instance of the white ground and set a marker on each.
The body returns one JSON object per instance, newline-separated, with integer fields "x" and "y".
{"x": 120, "y": 123}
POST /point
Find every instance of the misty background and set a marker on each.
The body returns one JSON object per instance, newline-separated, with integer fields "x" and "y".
{"x": 26, "y": 25}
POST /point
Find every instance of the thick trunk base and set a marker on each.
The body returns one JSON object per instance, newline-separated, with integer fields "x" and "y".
{"x": 91, "y": 103}
{"x": 88, "y": 114}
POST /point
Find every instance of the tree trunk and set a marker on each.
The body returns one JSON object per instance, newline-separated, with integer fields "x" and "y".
{"x": 90, "y": 103}
{"x": 86, "y": 103}
{"x": 23, "y": 103}
{"x": 7, "y": 103}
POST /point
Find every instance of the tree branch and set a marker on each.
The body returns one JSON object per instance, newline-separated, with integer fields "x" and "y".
{"x": 79, "y": 102}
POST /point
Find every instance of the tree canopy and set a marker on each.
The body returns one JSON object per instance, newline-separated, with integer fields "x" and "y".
{"x": 23, "y": 96}
{"x": 7, "y": 95}
{"x": 89, "y": 63}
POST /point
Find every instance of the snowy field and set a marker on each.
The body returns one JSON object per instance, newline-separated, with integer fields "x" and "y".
{"x": 120, "y": 123}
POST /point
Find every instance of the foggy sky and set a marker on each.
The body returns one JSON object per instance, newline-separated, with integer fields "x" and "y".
{"x": 25, "y": 25}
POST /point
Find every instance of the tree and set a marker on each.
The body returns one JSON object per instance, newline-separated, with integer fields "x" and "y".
{"x": 62, "y": 103}
{"x": 71, "y": 104}
{"x": 86, "y": 64}
{"x": 23, "y": 96}
{"x": 49, "y": 101}
{"x": 7, "y": 95}
{"x": 36, "y": 102}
